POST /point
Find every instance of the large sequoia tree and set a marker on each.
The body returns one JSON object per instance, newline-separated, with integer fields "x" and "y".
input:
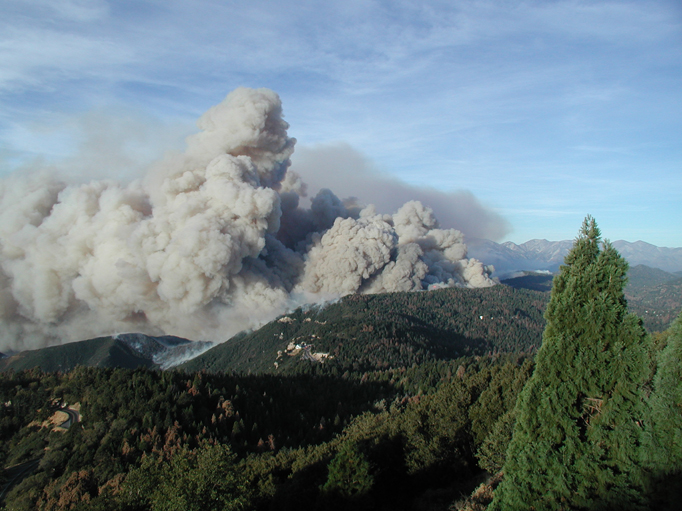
{"x": 576, "y": 443}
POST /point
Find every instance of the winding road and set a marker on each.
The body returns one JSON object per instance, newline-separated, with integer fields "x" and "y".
{"x": 74, "y": 417}
{"x": 17, "y": 473}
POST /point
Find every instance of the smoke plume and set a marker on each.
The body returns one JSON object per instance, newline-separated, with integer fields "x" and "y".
{"x": 347, "y": 172}
{"x": 208, "y": 243}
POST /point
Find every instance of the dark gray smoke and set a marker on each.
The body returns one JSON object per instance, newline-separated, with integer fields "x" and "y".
{"x": 348, "y": 173}
{"x": 208, "y": 243}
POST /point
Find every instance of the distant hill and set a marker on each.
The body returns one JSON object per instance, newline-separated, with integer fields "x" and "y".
{"x": 375, "y": 332}
{"x": 537, "y": 255}
{"x": 127, "y": 351}
{"x": 642, "y": 277}
{"x": 531, "y": 280}
{"x": 654, "y": 295}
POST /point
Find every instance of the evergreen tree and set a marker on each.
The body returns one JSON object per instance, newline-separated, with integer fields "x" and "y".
{"x": 576, "y": 440}
{"x": 208, "y": 478}
{"x": 664, "y": 445}
{"x": 349, "y": 473}
{"x": 492, "y": 453}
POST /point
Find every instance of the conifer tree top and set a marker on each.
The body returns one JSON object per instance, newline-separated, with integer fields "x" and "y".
{"x": 589, "y": 229}
{"x": 586, "y": 246}
{"x": 578, "y": 418}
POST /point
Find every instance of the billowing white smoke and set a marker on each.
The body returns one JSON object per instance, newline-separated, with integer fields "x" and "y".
{"x": 210, "y": 242}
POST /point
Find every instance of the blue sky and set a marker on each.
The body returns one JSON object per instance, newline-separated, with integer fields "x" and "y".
{"x": 545, "y": 111}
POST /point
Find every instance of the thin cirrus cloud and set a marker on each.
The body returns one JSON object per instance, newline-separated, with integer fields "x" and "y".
{"x": 468, "y": 96}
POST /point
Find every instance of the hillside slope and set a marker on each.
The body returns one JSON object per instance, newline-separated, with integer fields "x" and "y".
{"x": 653, "y": 294}
{"x": 371, "y": 332}
{"x": 99, "y": 352}
{"x": 126, "y": 351}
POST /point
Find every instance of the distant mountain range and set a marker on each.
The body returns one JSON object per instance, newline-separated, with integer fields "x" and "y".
{"x": 536, "y": 255}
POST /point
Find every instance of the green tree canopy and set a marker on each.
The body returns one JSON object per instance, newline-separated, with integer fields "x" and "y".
{"x": 349, "y": 473}
{"x": 207, "y": 478}
{"x": 663, "y": 448}
{"x": 576, "y": 440}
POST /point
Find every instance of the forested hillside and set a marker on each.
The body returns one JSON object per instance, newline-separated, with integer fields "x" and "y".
{"x": 175, "y": 440}
{"x": 416, "y": 387}
{"x": 654, "y": 295}
{"x": 367, "y": 332}
{"x": 100, "y": 352}
{"x": 125, "y": 350}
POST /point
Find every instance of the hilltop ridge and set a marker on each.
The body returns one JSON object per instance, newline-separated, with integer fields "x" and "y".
{"x": 373, "y": 332}
{"x": 123, "y": 350}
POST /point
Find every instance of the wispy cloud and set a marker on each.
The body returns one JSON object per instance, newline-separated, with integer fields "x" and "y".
{"x": 487, "y": 95}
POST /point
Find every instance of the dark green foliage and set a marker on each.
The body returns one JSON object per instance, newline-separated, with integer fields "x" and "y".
{"x": 126, "y": 414}
{"x": 666, "y": 401}
{"x": 643, "y": 277}
{"x": 126, "y": 351}
{"x": 208, "y": 478}
{"x": 664, "y": 444}
{"x": 493, "y": 452}
{"x": 413, "y": 445}
{"x": 375, "y": 332}
{"x": 143, "y": 431}
{"x": 416, "y": 384}
{"x": 655, "y": 296}
{"x": 349, "y": 474}
{"x": 23, "y": 497}
{"x": 418, "y": 398}
{"x": 579, "y": 418}
{"x": 652, "y": 294}
{"x": 24, "y": 398}
{"x": 100, "y": 352}
{"x": 534, "y": 281}
{"x": 499, "y": 396}
{"x": 361, "y": 333}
